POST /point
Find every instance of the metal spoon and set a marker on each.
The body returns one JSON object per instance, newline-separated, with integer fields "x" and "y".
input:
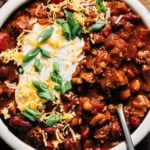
{"x": 8, "y": 8}
{"x": 125, "y": 127}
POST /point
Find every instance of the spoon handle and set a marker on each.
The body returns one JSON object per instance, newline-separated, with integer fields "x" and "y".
{"x": 8, "y": 8}
{"x": 125, "y": 128}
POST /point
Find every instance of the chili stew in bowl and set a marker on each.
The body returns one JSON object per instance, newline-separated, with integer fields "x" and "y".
{"x": 65, "y": 65}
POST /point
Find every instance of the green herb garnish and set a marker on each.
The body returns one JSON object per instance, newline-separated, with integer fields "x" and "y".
{"x": 46, "y": 34}
{"x": 56, "y": 67}
{"x": 45, "y": 53}
{"x": 42, "y": 90}
{"x": 56, "y": 78}
{"x": 74, "y": 27}
{"x": 53, "y": 120}
{"x": 97, "y": 26}
{"x": 66, "y": 31}
{"x": 100, "y": 6}
{"x": 60, "y": 21}
{"x": 31, "y": 115}
{"x": 31, "y": 55}
{"x": 66, "y": 87}
{"x": 38, "y": 65}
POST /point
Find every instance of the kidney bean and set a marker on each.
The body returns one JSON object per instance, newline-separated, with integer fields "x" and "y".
{"x": 134, "y": 121}
{"x": 88, "y": 144}
{"x": 4, "y": 72}
{"x": 85, "y": 132}
{"x": 13, "y": 75}
{"x": 50, "y": 145}
{"x": 19, "y": 123}
{"x": 49, "y": 130}
{"x": 56, "y": 1}
{"x": 68, "y": 144}
{"x": 98, "y": 148}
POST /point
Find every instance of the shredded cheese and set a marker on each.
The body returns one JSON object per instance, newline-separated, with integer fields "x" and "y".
{"x": 12, "y": 55}
{"x": 26, "y": 97}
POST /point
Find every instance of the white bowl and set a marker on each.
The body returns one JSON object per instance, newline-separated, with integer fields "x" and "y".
{"x": 15, "y": 142}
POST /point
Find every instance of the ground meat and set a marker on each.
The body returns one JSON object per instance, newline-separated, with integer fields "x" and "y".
{"x": 146, "y": 73}
{"x": 6, "y": 41}
{"x": 35, "y": 134}
{"x": 37, "y": 10}
{"x": 113, "y": 79}
{"x": 102, "y": 133}
{"x": 118, "y": 8}
{"x": 10, "y": 105}
{"x": 22, "y": 22}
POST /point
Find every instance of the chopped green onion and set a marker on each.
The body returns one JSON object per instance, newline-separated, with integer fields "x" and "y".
{"x": 60, "y": 21}
{"x": 31, "y": 55}
{"x": 97, "y": 26}
{"x": 46, "y": 34}
{"x": 66, "y": 31}
{"x": 57, "y": 88}
{"x": 46, "y": 95}
{"x": 45, "y": 53}
{"x": 103, "y": 8}
{"x": 75, "y": 31}
{"x": 100, "y": 6}
{"x": 80, "y": 33}
{"x": 20, "y": 70}
{"x": 56, "y": 67}
{"x": 56, "y": 77}
{"x": 38, "y": 65}
{"x": 53, "y": 120}
{"x": 40, "y": 86}
{"x": 43, "y": 90}
{"x": 31, "y": 115}
{"x": 70, "y": 20}
{"x": 66, "y": 87}
{"x": 74, "y": 27}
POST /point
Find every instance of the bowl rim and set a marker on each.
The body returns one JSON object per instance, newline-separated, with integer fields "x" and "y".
{"x": 137, "y": 135}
